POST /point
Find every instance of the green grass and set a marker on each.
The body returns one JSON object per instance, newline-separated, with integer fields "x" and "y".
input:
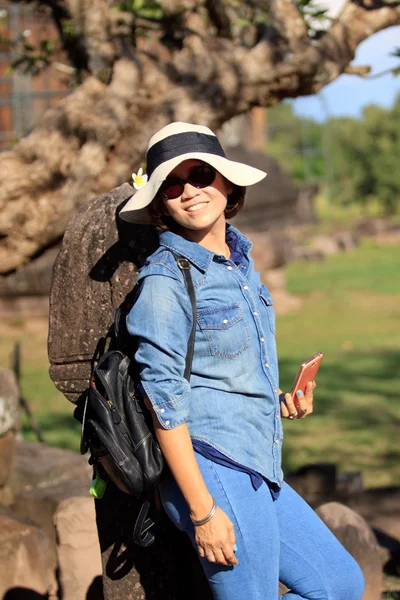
{"x": 351, "y": 312}
{"x": 370, "y": 268}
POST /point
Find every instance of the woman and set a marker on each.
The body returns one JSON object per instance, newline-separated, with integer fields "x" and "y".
{"x": 221, "y": 435}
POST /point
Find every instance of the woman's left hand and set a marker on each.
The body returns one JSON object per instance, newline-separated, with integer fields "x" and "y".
{"x": 288, "y": 409}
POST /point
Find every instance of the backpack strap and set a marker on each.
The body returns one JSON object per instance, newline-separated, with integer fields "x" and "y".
{"x": 185, "y": 267}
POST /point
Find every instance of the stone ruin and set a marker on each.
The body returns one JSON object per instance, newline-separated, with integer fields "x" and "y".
{"x": 57, "y": 541}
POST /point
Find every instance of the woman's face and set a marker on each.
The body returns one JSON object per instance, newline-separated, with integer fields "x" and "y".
{"x": 198, "y": 209}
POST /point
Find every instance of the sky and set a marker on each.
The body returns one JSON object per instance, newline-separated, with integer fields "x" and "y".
{"x": 347, "y": 95}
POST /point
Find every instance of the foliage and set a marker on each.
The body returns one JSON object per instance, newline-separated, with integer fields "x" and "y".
{"x": 357, "y": 158}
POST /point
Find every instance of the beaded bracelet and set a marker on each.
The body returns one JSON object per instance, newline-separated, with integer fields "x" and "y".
{"x": 208, "y": 517}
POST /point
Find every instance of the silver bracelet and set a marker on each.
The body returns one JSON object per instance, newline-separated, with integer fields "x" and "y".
{"x": 208, "y": 517}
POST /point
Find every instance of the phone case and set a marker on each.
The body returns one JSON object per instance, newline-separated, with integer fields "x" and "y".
{"x": 307, "y": 372}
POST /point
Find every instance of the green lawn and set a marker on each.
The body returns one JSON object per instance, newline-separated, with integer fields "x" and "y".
{"x": 351, "y": 312}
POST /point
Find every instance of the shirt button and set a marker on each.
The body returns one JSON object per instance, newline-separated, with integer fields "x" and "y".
{"x": 267, "y": 365}
{"x": 229, "y": 268}
{"x": 276, "y": 441}
{"x": 168, "y": 422}
{"x": 162, "y": 410}
{"x": 255, "y": 313}
{"x": 277, "y": 416}
{"x": 225, "y": 321}
{"x": 262, "y": 340}
{"x": 246, "y": 287}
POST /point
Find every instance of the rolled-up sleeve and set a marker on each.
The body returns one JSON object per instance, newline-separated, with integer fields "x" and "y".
{"x": 161, "y": 321}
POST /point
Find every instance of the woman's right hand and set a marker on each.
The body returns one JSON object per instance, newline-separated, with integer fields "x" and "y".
{"x": 216, "y": 538}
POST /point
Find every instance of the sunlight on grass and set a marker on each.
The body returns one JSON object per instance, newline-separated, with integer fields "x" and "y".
{"x": 351, "y": 312}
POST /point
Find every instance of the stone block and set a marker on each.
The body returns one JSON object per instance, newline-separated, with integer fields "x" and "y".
{"x": 42, "y": 478}
{"x": 325, "y": 244}
{"x": 7, "y": 453}
{"x": 40, "y": 465}
{"x": 315, "y": 483}
{"x": 78, "y": 548}
{"x": 24, "y": 553}
{"x": 359, "y": 540}
{"x": 9, "y": 398}
{"x": 380, "y": 507}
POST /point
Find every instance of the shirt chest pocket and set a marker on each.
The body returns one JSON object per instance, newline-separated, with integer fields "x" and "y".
{"x": 266, "y": 301}
{"x": 225, "y": 330}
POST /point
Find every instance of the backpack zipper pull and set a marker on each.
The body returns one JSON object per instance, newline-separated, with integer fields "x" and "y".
{"x": 116, "y": 417}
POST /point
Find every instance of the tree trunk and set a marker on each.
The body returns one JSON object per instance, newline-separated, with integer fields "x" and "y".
{"x": 97, "y": 136}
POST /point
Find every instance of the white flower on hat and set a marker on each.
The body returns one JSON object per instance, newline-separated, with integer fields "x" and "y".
{"x": 139, "y": 179}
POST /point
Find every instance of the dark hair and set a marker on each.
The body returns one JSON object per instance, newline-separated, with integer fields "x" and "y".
{"x": 167, "y": 223}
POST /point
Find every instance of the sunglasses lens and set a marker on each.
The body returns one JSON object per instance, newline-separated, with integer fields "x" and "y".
{"x": 172, "y": 189}
{"x": 201, "y": 177}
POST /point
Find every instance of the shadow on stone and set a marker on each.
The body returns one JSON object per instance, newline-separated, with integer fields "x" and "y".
{"x": 95, "y": 592}
{"x": 22, "y": 593}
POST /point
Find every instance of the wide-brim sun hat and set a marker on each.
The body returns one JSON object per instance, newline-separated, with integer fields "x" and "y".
{"x": 169, "y": 147}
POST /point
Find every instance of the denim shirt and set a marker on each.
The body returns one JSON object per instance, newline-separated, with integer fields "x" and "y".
{"x": 232, "y": 401}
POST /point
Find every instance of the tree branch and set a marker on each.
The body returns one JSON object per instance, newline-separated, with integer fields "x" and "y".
{"x": 96, "y": 137}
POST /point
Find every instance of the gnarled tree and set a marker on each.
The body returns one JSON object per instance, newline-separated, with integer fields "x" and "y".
{"x": 145, "y": 63}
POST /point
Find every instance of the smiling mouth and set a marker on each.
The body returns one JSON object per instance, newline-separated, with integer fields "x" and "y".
{"x": 196, "y": 207}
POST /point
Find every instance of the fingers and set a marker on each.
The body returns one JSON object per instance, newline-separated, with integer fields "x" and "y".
{"x": 288, "y": 409}
{"x": 223, "y": 556}
{"x": 302, "y": 403}
{"x": 230, "y": 557}
{"x": 306, "y": 401}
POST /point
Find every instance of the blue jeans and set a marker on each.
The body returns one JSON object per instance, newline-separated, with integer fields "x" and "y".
{"x": 276, "y": 540}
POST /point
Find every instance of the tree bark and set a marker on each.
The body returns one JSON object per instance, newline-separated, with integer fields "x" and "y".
{"x": 97, "y": 136}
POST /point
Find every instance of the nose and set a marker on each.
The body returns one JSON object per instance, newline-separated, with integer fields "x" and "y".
{"x": 189, "y": 191}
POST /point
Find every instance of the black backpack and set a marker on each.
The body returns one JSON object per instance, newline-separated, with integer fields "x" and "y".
{"x": 116, "y": 425}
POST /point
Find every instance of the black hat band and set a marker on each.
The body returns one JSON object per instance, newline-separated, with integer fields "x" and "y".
{"x": 181, "y": 143}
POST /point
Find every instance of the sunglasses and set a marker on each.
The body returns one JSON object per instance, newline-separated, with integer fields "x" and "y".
{"x": 199, "y": 177}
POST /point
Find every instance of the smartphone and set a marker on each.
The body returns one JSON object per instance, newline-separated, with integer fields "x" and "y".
{"x": 307, "y": 372}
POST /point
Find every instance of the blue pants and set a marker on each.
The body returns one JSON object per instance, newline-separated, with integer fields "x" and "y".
{"x": 276, "y": 540}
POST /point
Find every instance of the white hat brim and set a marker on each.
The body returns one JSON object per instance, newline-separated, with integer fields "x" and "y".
{"x": 136, "y": 209}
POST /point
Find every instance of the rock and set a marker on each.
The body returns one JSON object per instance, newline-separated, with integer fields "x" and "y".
{"x": 9, "y": 400}
{"x": 92, "y": 276}
{"x": 348, "y": 484}
{"x": 315, "y": 483}
{"x": 358, "y": 539}
{"x": 78, "y": 548}
{"x": 269, "y": 250}
{"x": 380, "y": 507}
{"x": 274, "y": 279}
{"x": 370, "y": 226}
{"x": 23, "y": 556}
{"x": 25, "y": 307}
{"x": 9, "y": 416}
{"x": 32, "y": 279}
{"x": 324, "y": 244}
{"x": 7, "y": 452}
{"x": 306, "y": 253}
{"x": 41, "y": 479}
{"x": 38, "y": 465}
{"x": 346, "y": 240}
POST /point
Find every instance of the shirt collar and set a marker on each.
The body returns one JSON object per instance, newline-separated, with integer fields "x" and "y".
{"x": 194, "y": 252}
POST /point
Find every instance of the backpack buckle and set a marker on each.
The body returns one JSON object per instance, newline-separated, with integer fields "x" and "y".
{"x": 183, "y": 264}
